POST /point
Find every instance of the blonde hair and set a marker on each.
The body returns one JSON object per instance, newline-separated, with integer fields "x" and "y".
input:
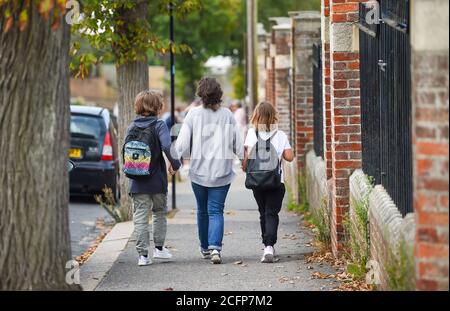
{"x": 148, "y": 103}
{"x": 264, "y": 117}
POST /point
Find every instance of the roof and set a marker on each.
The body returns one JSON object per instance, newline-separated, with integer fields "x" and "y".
{"x": 87, "y": 110}
{"x": 94, "y": 111}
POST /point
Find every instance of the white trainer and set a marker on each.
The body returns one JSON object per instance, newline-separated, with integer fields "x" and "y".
{"x": 144, "y": 261}
{"x": 164, "y": 254}
{"x": 216, "y": 258}
{"x": 269, "y": 254}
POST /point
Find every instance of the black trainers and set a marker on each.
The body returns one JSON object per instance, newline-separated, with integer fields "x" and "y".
{"x": 205, "y": 254}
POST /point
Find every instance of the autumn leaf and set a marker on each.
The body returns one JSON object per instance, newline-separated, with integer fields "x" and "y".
{"x": 61, "y": 4}
{"x": 8, "y": 24}
{"x": 45, "y": 6}
{"x": 56, "y": 20}
{"x": 23, "y": 20}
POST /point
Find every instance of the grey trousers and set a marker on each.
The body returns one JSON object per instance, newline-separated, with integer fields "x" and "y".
{"x": 142, "y": 205}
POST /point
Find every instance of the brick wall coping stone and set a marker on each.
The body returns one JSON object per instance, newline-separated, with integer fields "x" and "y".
{"x": 386, "y": 214}
{"x": 359, "y": 186}
{"x": 280, "y": 20}
{"x": 306, "y": 15}
{"x": 316, "y": 167}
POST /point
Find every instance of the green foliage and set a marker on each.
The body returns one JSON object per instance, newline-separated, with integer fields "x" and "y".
{"x": 400, "y": 268}
{"x": 218, "y": 28}
{"x": 238, "y": 82}
{"x": 303, "y": 205}
{"x": 202, "y": 29}
{"x": 214, "y": 29}
{"x": 319, "y": 217}
{"x": 358, "y": 242}
{"x": 116, "y": 37}
{"x": 278, "y": 8}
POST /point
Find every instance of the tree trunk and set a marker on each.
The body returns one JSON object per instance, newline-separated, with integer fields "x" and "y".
{"x": 132, "y": 78}
{"x": 34, "y": 136}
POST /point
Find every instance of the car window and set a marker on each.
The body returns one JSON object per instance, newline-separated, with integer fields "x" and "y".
{"x": 86, "y": 126}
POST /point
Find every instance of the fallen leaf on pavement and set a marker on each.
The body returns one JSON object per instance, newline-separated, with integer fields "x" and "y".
{"x": 322, "y": 276}
{"x": 283, "y": 279}
{"x": 290, "y": 237}
{"x": 91, "y": 250}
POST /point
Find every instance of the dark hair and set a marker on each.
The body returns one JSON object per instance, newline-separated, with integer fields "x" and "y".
{"x": 210, "y": 91}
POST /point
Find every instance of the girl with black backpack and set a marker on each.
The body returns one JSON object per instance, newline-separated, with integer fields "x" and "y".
{"x": 266, "y": 148}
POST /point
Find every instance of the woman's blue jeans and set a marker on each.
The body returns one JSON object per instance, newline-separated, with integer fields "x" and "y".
{"x": 210, "y": 220}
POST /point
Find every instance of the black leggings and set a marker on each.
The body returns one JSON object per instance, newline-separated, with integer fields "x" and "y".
{"x": 269, "y": 204}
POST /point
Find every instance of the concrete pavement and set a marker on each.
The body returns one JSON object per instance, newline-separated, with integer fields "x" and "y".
{"x": 241, "y": 270}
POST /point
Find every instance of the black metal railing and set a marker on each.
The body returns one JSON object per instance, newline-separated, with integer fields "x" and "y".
{"x": 318, "y": 101}
{"x": 386, "y": 100}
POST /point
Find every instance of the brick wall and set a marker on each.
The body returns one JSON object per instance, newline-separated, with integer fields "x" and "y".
{"x": 325, "y": 17}
{"x": 282, "y": 41}
{"x": 306, "y": 32}
{"x": 345, "y": 110}
{"x": 430, "y": 81}
{"x": 270, "y": 69}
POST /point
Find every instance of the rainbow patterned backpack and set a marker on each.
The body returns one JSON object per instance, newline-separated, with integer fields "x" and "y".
{"x": 137, "y": 152}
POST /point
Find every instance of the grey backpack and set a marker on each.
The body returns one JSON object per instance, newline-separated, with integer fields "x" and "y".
{"x": 264, "y": 166}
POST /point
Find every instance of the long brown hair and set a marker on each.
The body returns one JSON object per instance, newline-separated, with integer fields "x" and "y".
{"x": 264, "y": 117}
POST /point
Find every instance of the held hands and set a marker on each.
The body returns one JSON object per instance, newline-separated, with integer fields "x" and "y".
{"x": 172, "y": 171}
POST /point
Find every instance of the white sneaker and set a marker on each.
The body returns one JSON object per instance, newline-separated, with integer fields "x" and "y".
{"x": 164, "y": 254}
{"x": 216, "y": 258}
{"x": 205, "y": 254}
{"x": 269, "y": 254}
{"x": 144, "y": 261}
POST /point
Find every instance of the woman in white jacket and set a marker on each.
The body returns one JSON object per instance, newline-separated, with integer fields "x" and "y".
{"x": 210, "y": 137}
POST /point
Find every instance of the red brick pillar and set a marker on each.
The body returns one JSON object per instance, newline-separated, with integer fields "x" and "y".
{"x": 282, "y": 36}
{"x": 345, "y": 110}
{"x": 430, "y": 85}
{"x": 306, "y": 28}
{"x": 270, "y": 69}
{"x": 325, "y": 17}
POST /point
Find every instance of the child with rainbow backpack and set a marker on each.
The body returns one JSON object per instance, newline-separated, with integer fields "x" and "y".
{"x": 146, "y": 140}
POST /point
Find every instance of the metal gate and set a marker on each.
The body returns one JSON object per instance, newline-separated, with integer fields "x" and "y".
{"x": 386, "y": 100}
{"x": 318, "y": 101}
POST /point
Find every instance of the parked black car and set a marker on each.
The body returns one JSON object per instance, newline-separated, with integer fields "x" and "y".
{"x": 94, "y": 151}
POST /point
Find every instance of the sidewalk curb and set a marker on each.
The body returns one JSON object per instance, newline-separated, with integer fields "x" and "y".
{"x": 99, "y": 264}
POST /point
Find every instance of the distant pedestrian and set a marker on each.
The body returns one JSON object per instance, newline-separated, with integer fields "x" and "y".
{"x": 266, "y": 148}
{"x": 146, "y": 140}
{"x": 240, "y": 115}
{"x": 210, "y": 133}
